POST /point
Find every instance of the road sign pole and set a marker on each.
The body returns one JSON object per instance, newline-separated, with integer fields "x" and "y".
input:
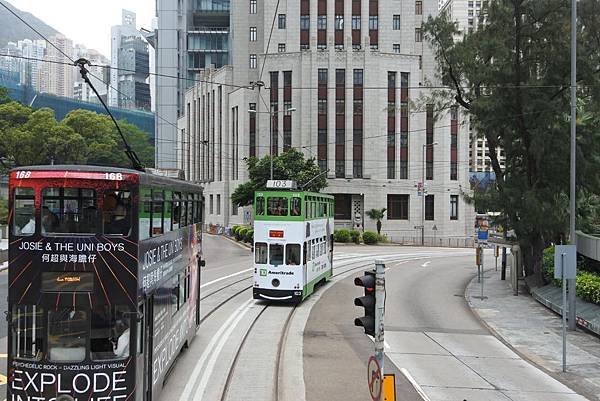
{"x": 564, "y": 312}
{"x": 482, "y": 278}
{"x": 379, "y": 312}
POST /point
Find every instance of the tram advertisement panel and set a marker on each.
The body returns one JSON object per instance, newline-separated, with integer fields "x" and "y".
{"x": 72, "y": 318}
{"x": 169, "y": 270}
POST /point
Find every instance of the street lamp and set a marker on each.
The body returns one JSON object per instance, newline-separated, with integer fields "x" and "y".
{"x": 270, "y": 113}
{"x": 423, "y": 194}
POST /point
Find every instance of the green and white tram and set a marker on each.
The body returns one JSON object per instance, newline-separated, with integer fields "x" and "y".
{"x": 293, "y": 243}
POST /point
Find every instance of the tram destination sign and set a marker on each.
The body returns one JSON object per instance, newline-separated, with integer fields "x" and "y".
{"x": 281, "y": 184}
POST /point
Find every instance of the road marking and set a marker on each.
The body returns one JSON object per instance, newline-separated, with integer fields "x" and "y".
{"x": 425, "y": 264}
{"x": 208, "y": 371}
{"x": 3, "y": 380}
{"x": 415, "y": 384}
{"x": 3, "y": 355}
{"x": 185, "y": 395}
{"x": 226, "y": 277}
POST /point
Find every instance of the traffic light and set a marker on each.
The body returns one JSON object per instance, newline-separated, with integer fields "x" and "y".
{"x": 367, "y": 301}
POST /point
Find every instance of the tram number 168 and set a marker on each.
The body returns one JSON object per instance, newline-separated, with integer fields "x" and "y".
{"x": 114, "y": 176}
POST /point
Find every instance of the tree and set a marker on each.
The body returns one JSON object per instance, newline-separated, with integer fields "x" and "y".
{"x": 376, "y": 214}
{"x": 290, "y": 165}
{"x": 3, "y": 211}
{"x": 4, "y": 95}
{"x": 512, "y": 77}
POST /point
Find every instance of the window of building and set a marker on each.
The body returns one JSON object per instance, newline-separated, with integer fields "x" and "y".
{"x": 252, "y": 6}
{"x": 373, "y": 22}
{"x": 396, "y": 47}
{"x": 358, "y": 77}
{"x": 321, "y": 22}
{"x": 453, "y": 207}
{"x": 397, "y": 207}
{"x": 218, "y": 204}
{"x": 339, "y": 22}
{"x": 305, "y": 22}
{"x": 322, "y": 76}
{"x": 24, "y": 212}
{"x": 419, "y": 7}
{"x": 252, "y": 34}
{"x": 281, "y": 48}
{"x": 343, "y": 207}
{"x": 470, "y": 4}
{"x": 211, "y": 204}
{"x": 281, "y": 21}
{"x": 253, "y": 61}
{"x": 340, "y": 107}
{"x": 396, "y": 22}
{"x": 340, "y": 77}
{"x": 429, "y": 207}
{"x": 356, "y": 22}
{"x": 418, "y": 35}
{"x": 322, "y": 106}
{"x": 358, "y": 107}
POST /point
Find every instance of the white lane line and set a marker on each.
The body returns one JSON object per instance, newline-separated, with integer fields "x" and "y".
{"x": 226, "y": 277}
{"x": 199, "y": 394}
{"x": 185, "y": 395}
{"x": 425, "y": 264}
{"x": 415, "y": 385}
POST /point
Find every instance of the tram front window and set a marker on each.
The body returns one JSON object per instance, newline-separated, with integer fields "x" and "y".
{"x": 296, "y": 207}
{"x": 293, "y": 254}
{"x": 277, "y": 206}
{"x": 109, "y": 337}
{"x": 67, "y": 333}
{"x": 276, "y": 254}
{"x": 260, "y": 253}
{"x": 69, "y": 210}
{"x": 28, "y": 331}
{"x": 24, "y": 221}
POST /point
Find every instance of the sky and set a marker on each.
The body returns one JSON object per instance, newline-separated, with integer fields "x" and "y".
{"x": 87, "y": 22}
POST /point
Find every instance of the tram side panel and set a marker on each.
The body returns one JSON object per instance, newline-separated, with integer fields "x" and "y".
{"x": 318, "y": 265}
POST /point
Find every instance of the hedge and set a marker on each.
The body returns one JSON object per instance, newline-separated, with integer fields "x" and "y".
{"x": 249, "y": 237}
{"x": 342, "y": 235}
{"x": 242, "y": 233}
{"x": 355, "y": 236}
{"x": 370, "y": 237}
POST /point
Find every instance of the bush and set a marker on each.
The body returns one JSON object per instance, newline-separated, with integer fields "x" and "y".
{"x": 382, "y": 238}
{"x": 355, "y": 236}
{"x": 370, "y": 237}
{"x": 342, "y": 235}
{"x": 241, "y": 233}
{"x": 3, "y": 211}
{"x": 249, "y": 237}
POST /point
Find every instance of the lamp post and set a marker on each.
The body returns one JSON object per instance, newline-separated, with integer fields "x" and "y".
{"x": 270, "y": 113}
{"x": 423, "y": 194}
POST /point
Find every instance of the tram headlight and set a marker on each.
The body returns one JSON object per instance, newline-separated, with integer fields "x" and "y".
{"x": 275, "y": 282}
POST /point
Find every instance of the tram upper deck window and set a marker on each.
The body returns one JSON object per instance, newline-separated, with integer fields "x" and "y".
{"x": 69, "y": 211}
{"x": 116, "y": 213}
{"x": 292, "y": 256}
{"x": 110, "y": 334}
{"x": 176, "y": 214}
{"x": 67, "y": 334}
{"x": 277, "y": 206}
{"x": 296, "y": 207}
{"x": 276, "y": 254}
{"x": 260, "y": 206}
{"x": 24, "y": 206}
{"x": 260, "y": 253}
{"x": 28, "y": 331}
{"x": 157, "y": 212}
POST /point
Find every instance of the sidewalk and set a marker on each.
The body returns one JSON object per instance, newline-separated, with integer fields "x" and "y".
{"x": 535, "y": 332}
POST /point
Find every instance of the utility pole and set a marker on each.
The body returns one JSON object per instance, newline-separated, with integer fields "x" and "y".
{"x": 572, "y": 312}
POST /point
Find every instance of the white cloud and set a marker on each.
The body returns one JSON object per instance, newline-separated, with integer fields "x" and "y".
{"x": 87, "y": 22}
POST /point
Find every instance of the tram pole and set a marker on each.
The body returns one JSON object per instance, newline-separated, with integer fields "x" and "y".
{"x": 379, "y": 313}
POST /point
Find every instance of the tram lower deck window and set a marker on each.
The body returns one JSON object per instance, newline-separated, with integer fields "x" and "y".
{"x": 276, "y": 254}
{"x": 67, "y": 334}
{"x": 292, "y": 254}
{"x": 109, "y": 335}
{"x": 260, "y": 253}
{"x": 28, "y": 332}
{"x": 69, "y": 211}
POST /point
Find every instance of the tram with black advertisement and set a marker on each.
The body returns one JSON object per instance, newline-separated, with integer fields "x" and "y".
{"x": 104, "y": 281}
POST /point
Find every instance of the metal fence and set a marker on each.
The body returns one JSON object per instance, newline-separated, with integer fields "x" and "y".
{"x": 447, "y": 242}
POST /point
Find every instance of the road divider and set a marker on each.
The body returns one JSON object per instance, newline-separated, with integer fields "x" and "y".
{"x": 415, "y": 385}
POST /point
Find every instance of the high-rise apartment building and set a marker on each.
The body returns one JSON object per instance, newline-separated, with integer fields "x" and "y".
{"x": 99, "y": 76}
{"x": 191, "y": 35}
{"x": 8, "y": 63}
{"x": 58, "y": 79}
{"x": 470, "y": 15}
{"x": 130, "y": 64}
{"x": 31, "y": 69}
{"x": 343, "y": 82}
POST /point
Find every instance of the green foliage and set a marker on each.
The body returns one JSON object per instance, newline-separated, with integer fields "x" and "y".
{"x": 517, "y": 98}
{"x": 241, "y": 233}
{"x": 249, "y": 237}
{"x": 31, "y": 137}
{"x": 355, "y": 236}
{"x": 370, "y": 237}
{"x": 376, "y": 214}
{"x": 290, "y": 165}
{"x": 3, "y": 211}
{"x": 4, "y": 98}
{"x": 342, "y": 235}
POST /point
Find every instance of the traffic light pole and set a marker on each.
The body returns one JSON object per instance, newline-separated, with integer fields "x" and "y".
{"x": 379, "y": 312}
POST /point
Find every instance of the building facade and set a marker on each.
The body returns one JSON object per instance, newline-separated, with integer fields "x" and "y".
{"x": 343, "y": 82}
{"x": 31, "y": 69}
{"x": 130, "y": 62}
{"x": 191, "y": 35}
{"x": 99, "y": 76}
{"x": 58, "y": 79}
